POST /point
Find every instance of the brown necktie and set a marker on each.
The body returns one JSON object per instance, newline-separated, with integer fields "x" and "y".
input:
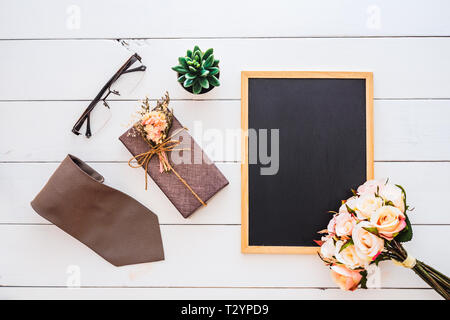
{"x": 111, "y": 223}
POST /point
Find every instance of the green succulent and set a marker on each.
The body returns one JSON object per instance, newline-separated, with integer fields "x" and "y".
{"x": 198, "y": 70}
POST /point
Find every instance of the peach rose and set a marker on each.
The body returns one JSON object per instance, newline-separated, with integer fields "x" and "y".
{"x": 327, "y": 249}
{"x": 368, "y": 246}
{"x": 344, "y": 224}
{"x": 370, "y": 187}
{"x": 350, "y": 202}
{"x": 348, "y": 256}
{"x": 366, "y": 205}
{"x": 332, "y": 225}
{"x": 345, "y": 278}
{"x": 394, "y": 194}
{"x": 389, "y": 221}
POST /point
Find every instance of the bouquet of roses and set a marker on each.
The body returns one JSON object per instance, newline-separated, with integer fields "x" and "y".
{"x": 368, "y": 228}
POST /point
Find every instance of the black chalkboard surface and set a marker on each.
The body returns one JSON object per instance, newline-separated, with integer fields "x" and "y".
{"x": 307, "y": 139}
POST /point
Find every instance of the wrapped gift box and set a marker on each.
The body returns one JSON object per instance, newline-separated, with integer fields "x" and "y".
{"x": 200, "y": 173}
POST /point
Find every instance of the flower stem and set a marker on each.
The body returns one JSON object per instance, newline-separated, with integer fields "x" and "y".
{"x": 431, "y": 281}
{"x": 442, "y": 276}
{"x": 436, "y": 280}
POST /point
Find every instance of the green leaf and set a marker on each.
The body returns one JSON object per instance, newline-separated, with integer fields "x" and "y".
{"x": 182, "y": 61}
{"x": 197, "y": 88}
{"x": 181, "y": 79}
{"x": 188, "y": 83}
{"x": 208, "y": 53}
{"x": 213, "y": 81}
{"x": 204, "y": 73}
{"x": 377, "y": 194}
{"x": 192, "y": 69}
{"x": 198, "y": 55}
{"x": 204, "y": 83}
{"x": 190, "y": 76}
{"x": 213, "y": 71}
{"x": 404, "y": 195}
{"x": 209, "y": 62}
{"x": 389, "y": 203}
{"x": 350, "y": 210}
{"x": 363, "y": 279}
{"x": 216, "y": 63}
{"x": 180, "y": 69}
{"x": 189, "y": 53}
{"x": 196, "y": 48}
{"x": 373, "y": 230}
{"x": 406, "y": 234}
{"x": 348, "y": 243}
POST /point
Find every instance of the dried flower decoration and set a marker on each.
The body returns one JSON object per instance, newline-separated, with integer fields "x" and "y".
{"x": 154, "y": 124}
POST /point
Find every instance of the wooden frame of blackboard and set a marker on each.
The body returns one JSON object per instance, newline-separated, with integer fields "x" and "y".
{"x": 245, "y": 76}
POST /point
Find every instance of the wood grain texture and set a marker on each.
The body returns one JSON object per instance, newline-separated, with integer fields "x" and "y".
{"x": 100, "y": 19}
{"x": 213, "y": 125}
{"x": 19, "y": 184}
{"x": 403, "y": 130}
{"x": 244, "y": 162}
{"x": 369, "y": 127}
{"x": 85, "y": 65}
{"x": 212, "y": 293}
{"x": 405, "y": 43}
{"x": 245, "y": 77}
{"x": 412, "y": 130}
{"x": 195, "y": 256}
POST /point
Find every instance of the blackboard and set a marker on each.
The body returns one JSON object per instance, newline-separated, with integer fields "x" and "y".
{"x": 325, "y": 147}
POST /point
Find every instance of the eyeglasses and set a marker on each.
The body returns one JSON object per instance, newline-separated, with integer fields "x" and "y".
{"x": 123, "y": 81}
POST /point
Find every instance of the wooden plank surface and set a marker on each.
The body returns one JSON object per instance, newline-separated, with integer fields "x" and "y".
{"x": 213, "y": 293}
{"x": 140, "y": 18}
{"x": 76, "y": 69}
{"x": 48, "y": 78}
{"x": 404, "y": 130}
{"x": 214, "y": 125}
{"x": 196, "y": 256}
{"x": 20, "y": 183}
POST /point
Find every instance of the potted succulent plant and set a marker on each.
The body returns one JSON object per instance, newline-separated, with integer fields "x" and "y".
{"x": 198, "y": 72}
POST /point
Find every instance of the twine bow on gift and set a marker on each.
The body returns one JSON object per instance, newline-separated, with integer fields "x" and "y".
{"x": 160, "y": 150}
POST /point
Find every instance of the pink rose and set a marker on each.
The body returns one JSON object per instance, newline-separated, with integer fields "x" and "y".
{"x": 345, "y": 278}
{"x": 366, "y": 205}
{"x": 331, "y": 225}
{"x": 348, "y": 255}
{"x": 370, "y": 187}
{"x": 350, "y": 202}
{"x": 368, "y": 245}
{"x": 394, "y": 194}
{"x": 389, "y": 221}
{"x": 328, "y": 249}
{"x": 344, "y": 224}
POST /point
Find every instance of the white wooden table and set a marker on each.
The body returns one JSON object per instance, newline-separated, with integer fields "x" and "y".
{"x": 55, "y": 56}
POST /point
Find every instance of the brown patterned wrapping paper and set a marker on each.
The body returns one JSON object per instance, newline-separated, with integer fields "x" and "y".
{"x": 200, "y": 174}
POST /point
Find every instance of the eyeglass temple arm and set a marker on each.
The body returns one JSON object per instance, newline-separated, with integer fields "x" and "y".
{"x": 85, "y": 116}
{"x": 76, "y": 128}
{"x": 140, "y": 68}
